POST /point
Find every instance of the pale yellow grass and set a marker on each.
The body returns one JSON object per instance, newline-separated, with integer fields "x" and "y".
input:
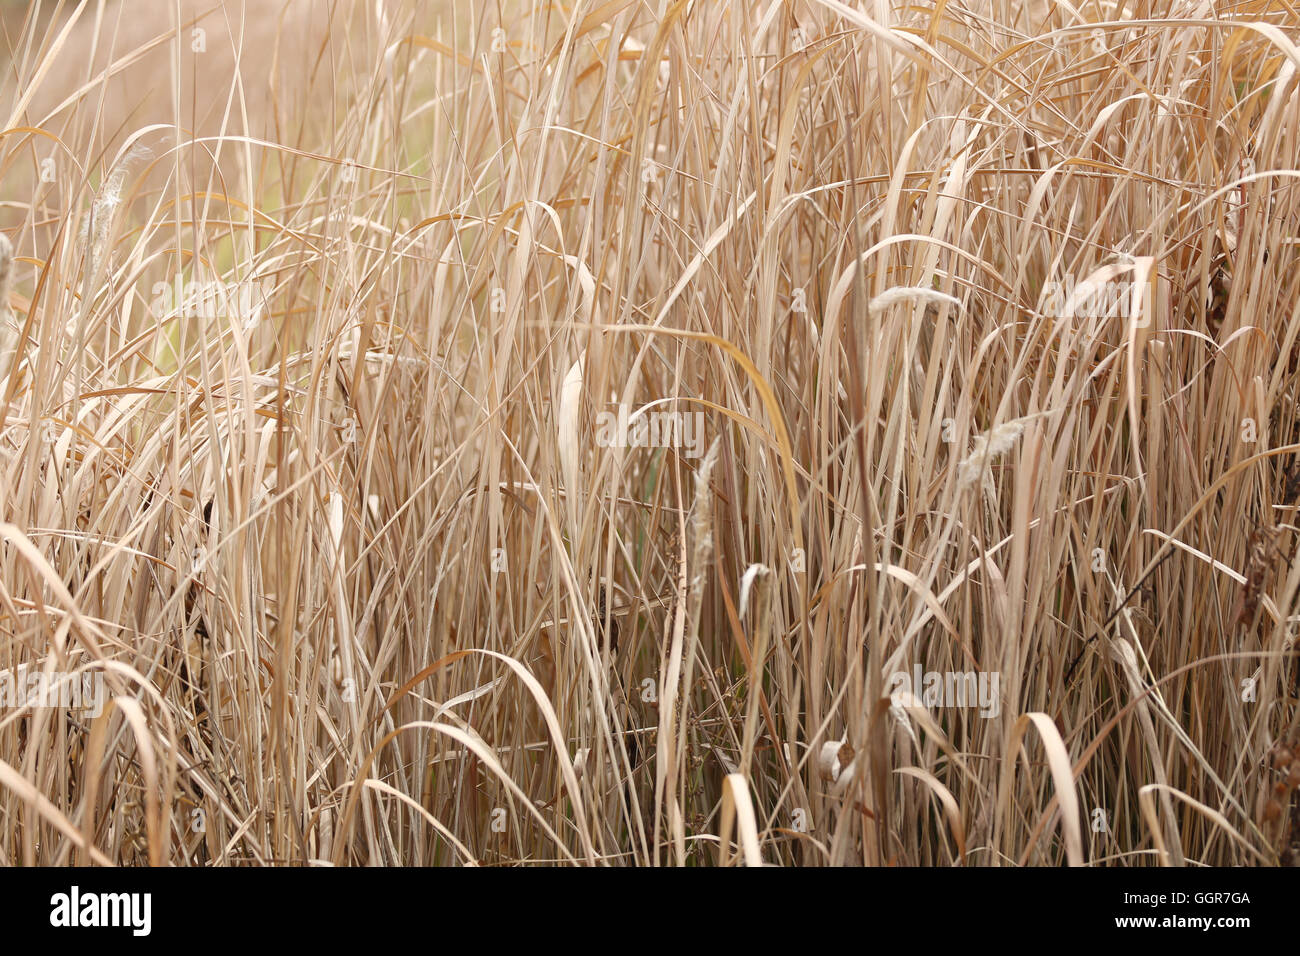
{"x": 431, "y": 619}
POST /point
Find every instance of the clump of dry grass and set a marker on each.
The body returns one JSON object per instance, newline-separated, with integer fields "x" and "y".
{"x": 299, "y": 450}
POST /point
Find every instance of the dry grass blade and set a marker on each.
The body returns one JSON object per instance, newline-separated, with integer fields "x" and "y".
{"x": 461, "y": 434}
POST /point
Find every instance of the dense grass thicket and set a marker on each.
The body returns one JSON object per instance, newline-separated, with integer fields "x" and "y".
{"x": 563, "y": 432}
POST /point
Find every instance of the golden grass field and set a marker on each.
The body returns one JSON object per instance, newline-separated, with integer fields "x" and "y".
{"x": 544, "y": 433}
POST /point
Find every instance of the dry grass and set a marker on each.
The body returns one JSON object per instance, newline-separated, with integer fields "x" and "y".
{"x": 433, "y": 618}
